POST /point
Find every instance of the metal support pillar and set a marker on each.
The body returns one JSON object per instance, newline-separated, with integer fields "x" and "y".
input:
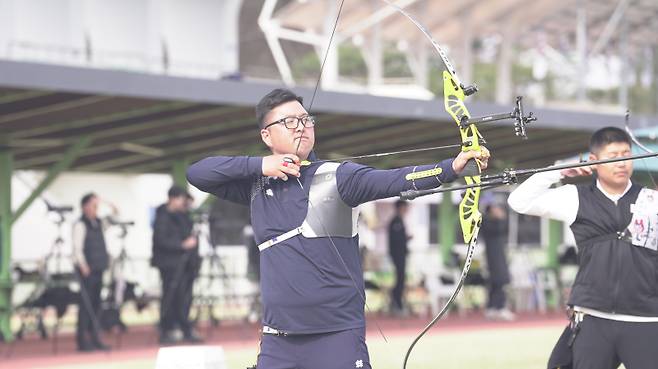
{"x": 654, "y": 59}
{"x": 467, "y": 49}
{"x": 330, "y": 51}
{"x": 447, "y": 224}
{"x": 625, "y": 65}
{"x": 375, "y": 53}
{"x": 421, "y": 49}
{"x": 6, "y": 169}
{"x": 581, "y": 44}
{"x": 265, "y": 23}
{"x": 504, "y": 65}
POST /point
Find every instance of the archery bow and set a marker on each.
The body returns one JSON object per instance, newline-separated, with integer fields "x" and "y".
{"x": 470, "y": 218}
{"x": 454, "y": 95}
{"x": 638, "y": 144}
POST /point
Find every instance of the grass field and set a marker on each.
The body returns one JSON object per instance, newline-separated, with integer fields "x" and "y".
{"x": 499, "y": 348}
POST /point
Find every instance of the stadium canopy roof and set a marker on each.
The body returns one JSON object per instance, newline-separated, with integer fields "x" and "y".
{"x": 449, "y": 20}
{"x": 140, "y": 123}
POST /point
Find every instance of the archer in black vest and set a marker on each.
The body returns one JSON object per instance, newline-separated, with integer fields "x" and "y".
{"x": 614, "y": 298}
{"x": 91, "y": 260}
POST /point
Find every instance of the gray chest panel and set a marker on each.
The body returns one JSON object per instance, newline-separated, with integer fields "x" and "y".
{"x": 327, "y": 214}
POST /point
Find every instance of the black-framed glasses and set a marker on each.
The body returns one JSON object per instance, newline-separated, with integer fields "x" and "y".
{"x": 307, "y": 121}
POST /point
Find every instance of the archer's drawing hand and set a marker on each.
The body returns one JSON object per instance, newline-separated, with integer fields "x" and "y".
{"x": 277, "y": 166}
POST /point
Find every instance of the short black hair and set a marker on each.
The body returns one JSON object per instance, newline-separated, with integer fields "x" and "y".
{"x": 272, "y": 100}
{"x": 176, "y": 191}
{"x": 606, "y": 136}
{"x": 86, "y": 198}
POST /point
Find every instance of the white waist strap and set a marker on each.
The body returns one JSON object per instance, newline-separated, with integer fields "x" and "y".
{"x": 617, "y": 317}
{"x": 272, "y": 331}
{"x": 283, "y": 237}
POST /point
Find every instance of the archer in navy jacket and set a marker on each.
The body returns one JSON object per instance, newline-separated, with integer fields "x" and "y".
{"x": 305, "y": 286}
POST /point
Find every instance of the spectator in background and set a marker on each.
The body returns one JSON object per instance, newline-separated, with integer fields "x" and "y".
{"x": 90, "y": 259}
{"x": 397, "y": 249}
{"x": 494, "y": 233}
{"x": 176, "y": 255}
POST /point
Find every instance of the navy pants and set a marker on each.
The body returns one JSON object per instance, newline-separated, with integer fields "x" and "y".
{"x": 335, "y": 350}
{"x": 605, "y": 344}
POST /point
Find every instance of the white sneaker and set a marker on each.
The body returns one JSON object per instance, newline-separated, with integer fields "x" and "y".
{"x": 499, "y": 314}
{"x": 506, "y": 314}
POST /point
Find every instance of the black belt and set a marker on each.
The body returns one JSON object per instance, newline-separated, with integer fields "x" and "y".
{"x": 622, "y": 236}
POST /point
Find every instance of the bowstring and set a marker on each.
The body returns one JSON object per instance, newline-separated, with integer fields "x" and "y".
{"x": 310, "y": 106}
{"x": 640, "y": 145}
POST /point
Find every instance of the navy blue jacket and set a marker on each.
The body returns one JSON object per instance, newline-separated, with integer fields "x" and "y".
{"x": 304, "y": 285}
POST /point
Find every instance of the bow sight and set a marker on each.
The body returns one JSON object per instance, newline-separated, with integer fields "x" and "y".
{"x": 521, "y": 120}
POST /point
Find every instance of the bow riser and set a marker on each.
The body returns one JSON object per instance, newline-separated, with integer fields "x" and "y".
{"x": 469, "y": 215}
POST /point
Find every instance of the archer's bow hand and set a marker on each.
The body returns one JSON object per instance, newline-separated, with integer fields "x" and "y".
{"x": 482, "y": 156}
{"x": 575, "y": 172}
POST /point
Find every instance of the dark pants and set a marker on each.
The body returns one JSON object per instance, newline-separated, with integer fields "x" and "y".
{"x": 497, "y": 296}
{"x": 605, "y": 344}
{"x": 336, "y": 350}
{"x": 400, "y": 264}
{"x": 88, "y": 327}
{"x": 176, "y": 300}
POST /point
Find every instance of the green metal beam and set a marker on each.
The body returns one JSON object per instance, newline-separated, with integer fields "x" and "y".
{"x": 52, "y": 128}
{"x": 52, "y": 108}
{"x": 24, "y": 95}
{"x": 174, "y": 152}
{"x": 555, "y": 238}
{"x": 208, "y": 202}
{"x": 69, "y": 157}
{"x": 178, "y": 172}
{"x": 447, "y": 223}
{"x": 138, "y": 134}
{"x": 5, "y": 243}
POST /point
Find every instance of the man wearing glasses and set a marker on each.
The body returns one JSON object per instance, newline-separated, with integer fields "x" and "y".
{"x": 304, "y": 216}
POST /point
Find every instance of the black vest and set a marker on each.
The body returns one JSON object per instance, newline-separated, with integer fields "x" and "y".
{"x": 94, "y": 246}
{"x": 614, "y": 276}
